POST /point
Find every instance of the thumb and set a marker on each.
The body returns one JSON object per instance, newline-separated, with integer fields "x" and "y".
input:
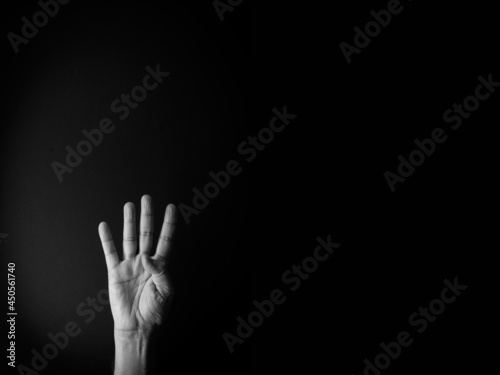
{"x": 151, "y": 266}
{"x": 157, "y": 269}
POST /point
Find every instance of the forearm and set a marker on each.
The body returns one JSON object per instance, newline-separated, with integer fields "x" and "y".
{"x": 133, "y": 353}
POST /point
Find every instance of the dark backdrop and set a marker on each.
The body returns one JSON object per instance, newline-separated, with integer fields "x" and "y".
{"x": 322, "y": 176}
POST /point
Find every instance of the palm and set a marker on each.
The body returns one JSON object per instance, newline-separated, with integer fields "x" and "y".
{"x": 138, "y": 286}
{"x": 134, "y": 299}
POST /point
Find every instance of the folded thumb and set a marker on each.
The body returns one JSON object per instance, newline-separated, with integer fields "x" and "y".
{"x": 150, "y": 266}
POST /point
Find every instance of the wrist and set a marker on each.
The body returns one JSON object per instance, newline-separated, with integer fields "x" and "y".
{"x": 133, "y": 351}
{"x": 133, "y": 335}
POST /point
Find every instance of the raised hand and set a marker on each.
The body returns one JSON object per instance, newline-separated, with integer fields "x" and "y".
{"x": 139, "y": 290}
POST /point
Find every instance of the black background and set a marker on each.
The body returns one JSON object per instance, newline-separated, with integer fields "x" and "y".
{"x": 322, "y": 176}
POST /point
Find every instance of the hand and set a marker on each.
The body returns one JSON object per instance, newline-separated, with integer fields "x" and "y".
{"x": 139, "y": 290}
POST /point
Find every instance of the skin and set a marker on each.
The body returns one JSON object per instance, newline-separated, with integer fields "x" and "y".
{"x": 140, "y": 292}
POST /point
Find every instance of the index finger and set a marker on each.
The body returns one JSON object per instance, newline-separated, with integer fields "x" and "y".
{"x": 167, "y": 231}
